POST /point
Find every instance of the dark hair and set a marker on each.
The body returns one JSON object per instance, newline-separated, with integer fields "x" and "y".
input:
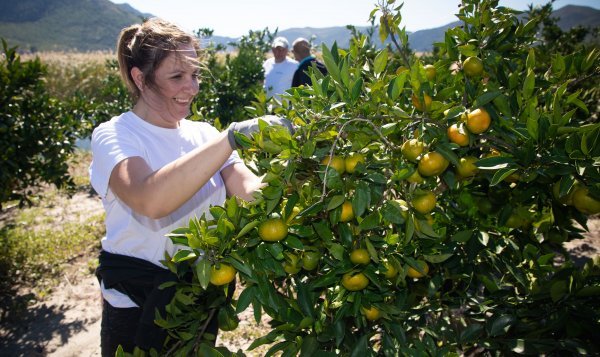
{"x": 145, "y": 46}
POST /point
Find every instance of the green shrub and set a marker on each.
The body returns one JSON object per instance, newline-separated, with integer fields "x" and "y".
{"x": 37, "y": 131}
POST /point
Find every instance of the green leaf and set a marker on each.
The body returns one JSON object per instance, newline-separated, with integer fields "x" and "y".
{"x": 371, "y": 221}
{"x": 371, "y": 249}
{"x": 501, "y": 174}
{"x": 247, "y": 228}
{"x": 558, "y": 290}
{"x": 361, "y": 198}
{"x": 245, "y": 298}
{"x": 397, "y": 86}
{"x": 335, "y": 202}
{"x": 203, "y": 272}
{"x": 485, "y": 98}
{"x": 337, "y": 251}
{"x": 309, "y": 346}
{"x": 356, "y": 90}
{"x": 293, "y": 242}
{"x": 494, "y": 162}
{"x": 239, "y": 265}
{"x": 380, "y": 61}
{"x": 437, "y": 258}
{"x": 330, "y": 64}
{"x": 529, "y": 84}
{"x": 501, "y": 325}
{"x": 530, "y": 63}
{"x": 183, "y": 255}
{"x": 471, "y": 333}
{"x": 462, "y": 236}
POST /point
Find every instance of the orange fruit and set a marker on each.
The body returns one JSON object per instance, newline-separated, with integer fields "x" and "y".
{"x": 354, "y": 282}
{"x": 335, "y": 162}
{"x": 347, "y": 212}
{"x": 222, "y": 275}
{"x": 478, "y": 121}
{"x": 272, "y": 230}
{"x": 414, "y": 273}
{"x": 417, "y": 102}
{"x": 351, "y": 161}
{"x": 432, "y": 164}
{"x": 360, "y": 256}
{"x": 371, "y": 313}
{"x": 584, "y": 202}
{"x": 466, "y": 166}
{"x": 430, "y": 72}
{"x": 458, "y": 135}
{"x": 411, "y": 149}
{"x": 424, "y": 202}
{"x": 473, "y": 66}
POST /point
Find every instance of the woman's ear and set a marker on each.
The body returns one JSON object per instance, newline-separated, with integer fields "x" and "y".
{"x": 138, "y": 78}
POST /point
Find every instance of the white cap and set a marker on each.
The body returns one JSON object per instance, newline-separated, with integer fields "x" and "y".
{"x": 280, "y": 42}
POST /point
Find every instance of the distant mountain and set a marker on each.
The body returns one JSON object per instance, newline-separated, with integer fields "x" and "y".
{"x": 423, "y": 40}
{"x": 81, "y": 25}
{"x": 84, "y": 25}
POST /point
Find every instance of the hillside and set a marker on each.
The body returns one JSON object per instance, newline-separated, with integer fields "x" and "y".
{"x": 85, "y": 25}
{"x": 80, "y": 25}
{"x": 423, "y": 40}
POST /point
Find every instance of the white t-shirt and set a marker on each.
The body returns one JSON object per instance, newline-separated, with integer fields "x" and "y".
{"x": 278, "y": 76}
{"x": 133, "y": 234}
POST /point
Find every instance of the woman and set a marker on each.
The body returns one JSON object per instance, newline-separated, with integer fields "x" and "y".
{"x": 154, "y": 171}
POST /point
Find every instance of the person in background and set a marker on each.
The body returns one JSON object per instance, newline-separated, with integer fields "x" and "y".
{"x": 155, "y": 170}
{"x": 302, "y": 52}
{"x": 279, "y": 69}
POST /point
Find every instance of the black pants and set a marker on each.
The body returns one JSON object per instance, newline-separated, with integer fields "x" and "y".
{"x": 119, "y": 326}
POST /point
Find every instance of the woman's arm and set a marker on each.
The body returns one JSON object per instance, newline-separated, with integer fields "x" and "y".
{"x": 158, "y": 193}
{"x": 240, "y": 181}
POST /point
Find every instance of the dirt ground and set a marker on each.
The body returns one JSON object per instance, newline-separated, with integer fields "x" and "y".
{"x": 67, "y": 323}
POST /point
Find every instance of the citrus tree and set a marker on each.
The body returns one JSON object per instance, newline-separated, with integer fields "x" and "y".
{"x": 419, "y": 208}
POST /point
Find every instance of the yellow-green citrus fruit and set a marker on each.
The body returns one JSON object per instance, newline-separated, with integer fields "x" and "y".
{"x": 458, "y": 135}
{"x": 478, "y": 121}
{"x": 336, "y": 163}
{"x": 222, "y": 275}
{"x": 432, "y": 164}
{"x": 360, "y": 256}
{"x": 473, "y": 66}
{"x": 466, "y": 166}
{"x": 347, "y": 212}
{"x": 371, "y": 313}
{"x": 430, "y": 72}
{"x": 424, "y": 202}
{"x": 272, "y": 230}
{"x": 411, "y": 149}
{"x": 414, "y": 273}
{"x": 353, "y": 160}
{"x": 417, "y": 102}
{"x": 584, "y": 202}
{"x": 354, "y": 282}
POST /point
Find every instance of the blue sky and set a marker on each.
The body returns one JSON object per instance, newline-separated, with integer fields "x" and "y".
{"x": 235, "y": 18}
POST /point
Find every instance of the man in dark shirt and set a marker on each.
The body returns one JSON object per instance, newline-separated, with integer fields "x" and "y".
{"x": 301, "y": 51}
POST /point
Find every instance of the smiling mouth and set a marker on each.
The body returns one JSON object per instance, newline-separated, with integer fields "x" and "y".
{"x": 182, "y": 101}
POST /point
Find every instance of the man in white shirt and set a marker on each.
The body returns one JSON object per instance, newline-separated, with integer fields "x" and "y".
{"x": 279, "y": 69}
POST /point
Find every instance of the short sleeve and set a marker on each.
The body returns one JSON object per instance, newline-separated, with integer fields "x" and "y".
{"x": 111, "y": 143}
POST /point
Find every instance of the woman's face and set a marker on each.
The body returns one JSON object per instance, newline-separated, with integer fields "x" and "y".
{"x": 176, "y": 85}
